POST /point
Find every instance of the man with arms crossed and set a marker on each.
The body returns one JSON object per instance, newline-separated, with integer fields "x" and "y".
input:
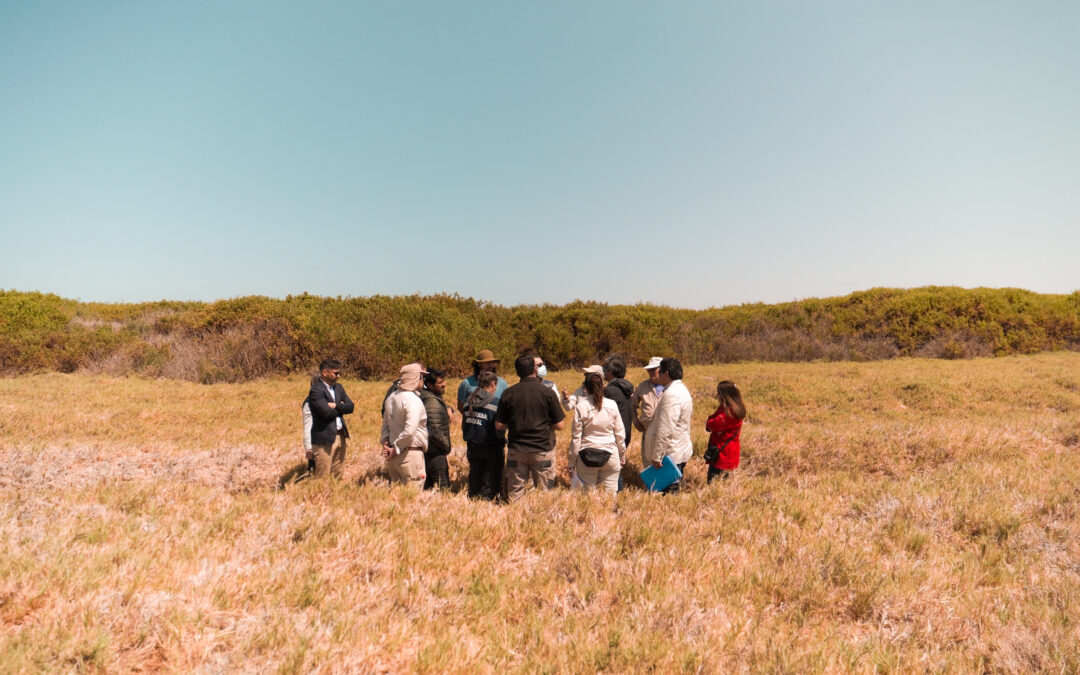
{"x": 328, "y": 402}
{"x": 531, "y": 413}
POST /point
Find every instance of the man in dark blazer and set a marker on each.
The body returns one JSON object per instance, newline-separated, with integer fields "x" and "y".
{"x": 328, "y": 402}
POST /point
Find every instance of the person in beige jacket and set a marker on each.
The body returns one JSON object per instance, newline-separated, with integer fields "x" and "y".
{"x": 643, "y": 407}
{"x": 672, "y": 420}
{"x": 404, "y": 434}
{"x": 597, "y": 437}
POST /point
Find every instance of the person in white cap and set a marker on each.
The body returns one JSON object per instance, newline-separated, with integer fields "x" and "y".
{"x": 643, "y": 404}
{"x": 597, "y": 438}
{"x": 404, "y": 434}
{"x": 570, "y": 401}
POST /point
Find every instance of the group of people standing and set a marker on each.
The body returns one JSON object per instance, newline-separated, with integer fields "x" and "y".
{"x": 509, "y": 430}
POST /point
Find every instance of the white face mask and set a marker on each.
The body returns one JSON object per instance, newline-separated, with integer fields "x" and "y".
{"x": 541, "y": 372}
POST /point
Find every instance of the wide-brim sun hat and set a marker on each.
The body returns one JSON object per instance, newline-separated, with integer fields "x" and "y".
{"x": 486, "y": 356}
{"x": 654, "y": 362}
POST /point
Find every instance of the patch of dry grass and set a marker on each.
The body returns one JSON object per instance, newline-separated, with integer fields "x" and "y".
{"x": 898, "y": 516}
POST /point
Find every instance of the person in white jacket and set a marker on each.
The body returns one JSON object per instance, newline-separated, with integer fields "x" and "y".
{"x": 672, "y": 420}
{"x": 597, "y": 438}
{"x": 404, "y": 429}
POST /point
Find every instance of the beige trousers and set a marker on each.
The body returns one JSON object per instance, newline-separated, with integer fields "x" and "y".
{"x": 521, "y": 466}
{"x": 408, "y": 468}
{"x": 329, "y": 459}
{"x": 606, "y": 477}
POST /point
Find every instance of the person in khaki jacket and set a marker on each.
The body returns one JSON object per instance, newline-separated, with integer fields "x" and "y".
{"x": 597, "y": 438}
{"x": 643, "y": 408}
{"x": 404, "y": 434}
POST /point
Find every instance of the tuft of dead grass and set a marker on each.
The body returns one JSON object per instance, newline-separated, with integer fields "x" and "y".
{"x": 899, "y": 516}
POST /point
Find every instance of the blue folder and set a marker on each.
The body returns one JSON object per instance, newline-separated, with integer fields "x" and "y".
{"x": 659, "y": 479}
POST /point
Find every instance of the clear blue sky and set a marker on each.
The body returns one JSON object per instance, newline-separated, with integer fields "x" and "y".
{"x": 682, "y": 153}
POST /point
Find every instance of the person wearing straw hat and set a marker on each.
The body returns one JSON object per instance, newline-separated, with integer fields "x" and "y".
{"x": 404, "y": 434}
{"x": 485, "y": 361}
{"x": 643, "y": 407}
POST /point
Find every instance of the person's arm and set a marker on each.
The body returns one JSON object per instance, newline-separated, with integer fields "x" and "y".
{"x": 664, "y": 421}
{"x": 620, "y": 437}
{"x": 317, "y": 399}
{"x": 635, "y": 401}
{"x": 462, "y": 396}
{"x": 555, "y": 412}
{"x": 306, "y": 409}
{"x": 344, "y": 403}
{"x": 576, "y": 429}
{"x": 384, "y": 433}
{"x": 502, "y": 416}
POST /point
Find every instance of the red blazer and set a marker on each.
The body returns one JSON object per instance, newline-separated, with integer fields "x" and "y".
{"x": 723, "y": 428}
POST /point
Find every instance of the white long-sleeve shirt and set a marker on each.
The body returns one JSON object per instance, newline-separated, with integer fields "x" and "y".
{"x": 592, "y": 428}
{"x": 672, "y": 422}
{"x": 404, "y": 422}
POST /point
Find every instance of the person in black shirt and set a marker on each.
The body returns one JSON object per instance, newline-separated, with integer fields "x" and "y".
{"x": 531, "y": 413}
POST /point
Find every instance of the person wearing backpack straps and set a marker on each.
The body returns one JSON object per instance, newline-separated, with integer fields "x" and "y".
{"x": 484, "y": 445}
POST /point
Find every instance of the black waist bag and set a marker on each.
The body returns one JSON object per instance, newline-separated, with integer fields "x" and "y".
{"x": 593, "y": 457}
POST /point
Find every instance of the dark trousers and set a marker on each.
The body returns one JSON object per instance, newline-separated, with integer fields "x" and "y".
{"x": 485, "y": 470}
{"x": 438, "y": 472}
{"x": 714, "y": 473}
{"x": 674, "y": 487}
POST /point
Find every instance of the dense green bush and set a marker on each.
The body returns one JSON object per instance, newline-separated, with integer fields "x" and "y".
{"x": 242, "y": 338}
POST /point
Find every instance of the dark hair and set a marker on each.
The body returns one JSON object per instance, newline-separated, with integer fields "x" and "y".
{"x": 329, "y": 364}
{"x": 731, "y": 399}
{"x": 486, "y": 379}
{"x": 525, "y": 366}
{"x": 615, "y": 365}
{"x": 433, "y": 375}
{"x": 594, "y": 386}
{"x": 672, "y": 367}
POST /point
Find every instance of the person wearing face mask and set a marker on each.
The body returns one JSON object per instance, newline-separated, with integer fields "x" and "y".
{"x": 643, "y": 404}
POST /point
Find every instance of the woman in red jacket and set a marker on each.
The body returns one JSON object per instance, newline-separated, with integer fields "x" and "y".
{"x": 725, "y": 425}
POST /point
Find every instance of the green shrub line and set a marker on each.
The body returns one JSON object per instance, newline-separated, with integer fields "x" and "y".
{"x": 250, "y": 337}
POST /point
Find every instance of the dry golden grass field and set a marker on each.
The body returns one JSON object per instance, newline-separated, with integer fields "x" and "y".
{"x": 907, "y": 515}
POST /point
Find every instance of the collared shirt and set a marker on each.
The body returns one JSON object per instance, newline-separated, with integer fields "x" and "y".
{"x": 333, "y": 397}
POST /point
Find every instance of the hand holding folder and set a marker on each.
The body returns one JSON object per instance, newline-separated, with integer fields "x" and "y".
{"x": 659, "y": 479}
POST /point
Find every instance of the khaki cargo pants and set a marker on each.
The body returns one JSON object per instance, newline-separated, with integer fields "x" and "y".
{"x": 408, "y": 468}
{"x": 329, "y": 460}
{"x": 520, "y": 466}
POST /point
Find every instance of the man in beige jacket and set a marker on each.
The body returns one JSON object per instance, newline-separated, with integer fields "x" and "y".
{"x": 404, "y": 434}
{"x": 643, "y": 407}
{"x": 672, "y": 420}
